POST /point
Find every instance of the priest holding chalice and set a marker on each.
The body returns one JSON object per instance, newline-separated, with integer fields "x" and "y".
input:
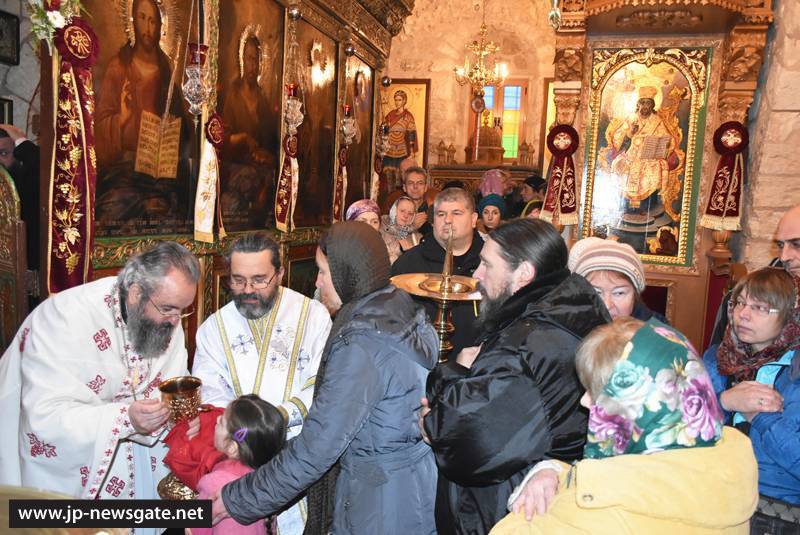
{"x": 79, "y": 383}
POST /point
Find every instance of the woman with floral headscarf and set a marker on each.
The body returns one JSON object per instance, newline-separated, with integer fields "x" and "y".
{"x": 397, "y": 228}
{"x": 366, "y": 211}
{"x": 657, "y": 458}
{"x": 756, "y": 374}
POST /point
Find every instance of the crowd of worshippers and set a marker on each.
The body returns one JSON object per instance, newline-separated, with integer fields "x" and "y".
{"x": 567, "y": 405}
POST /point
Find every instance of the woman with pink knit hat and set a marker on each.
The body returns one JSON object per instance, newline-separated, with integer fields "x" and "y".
{"x": 616, "y": 272}
{"x": 495, "y": 181}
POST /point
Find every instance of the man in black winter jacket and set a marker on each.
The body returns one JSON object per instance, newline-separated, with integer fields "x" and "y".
{"x": 514, "y": 399}
{"x": 452, "y": 208}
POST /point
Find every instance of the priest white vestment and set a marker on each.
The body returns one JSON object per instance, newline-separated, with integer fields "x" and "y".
{"x": 275, "y": 356}
{"x": 66, "y": 383}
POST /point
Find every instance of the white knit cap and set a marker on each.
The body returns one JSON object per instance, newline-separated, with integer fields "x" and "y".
{"x": 595, "y": 254}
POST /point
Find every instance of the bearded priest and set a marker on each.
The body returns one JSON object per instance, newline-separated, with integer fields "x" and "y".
{"x": 267, "y": 341}
{"x": 79, "y": 383}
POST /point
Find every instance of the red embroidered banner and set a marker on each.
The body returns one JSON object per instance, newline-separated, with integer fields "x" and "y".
{"x": 561, "y": 199}
{"x": 723, "y": 210}
{"x": 340, "y": 186}
{"x": 74, "y": 169}
{"x": 286, "y": 192}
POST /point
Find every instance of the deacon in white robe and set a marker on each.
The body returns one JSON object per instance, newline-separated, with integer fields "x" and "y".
{"x": 66, "y": 385}
{"x": 267, "y": 341}
{"x": 275, "y": 356}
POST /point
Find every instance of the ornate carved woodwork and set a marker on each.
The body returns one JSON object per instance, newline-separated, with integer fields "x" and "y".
{"x": 751, "y": 10}
{"x": 471, "y": 175}
{"x": 646, "y": 19}
{"x": 568, "y": 64}
{"x": 13, "y": 297}
{"x": 567, "y": 101}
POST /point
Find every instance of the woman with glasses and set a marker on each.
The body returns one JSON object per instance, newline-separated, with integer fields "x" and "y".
{"x": 756, "y": 375}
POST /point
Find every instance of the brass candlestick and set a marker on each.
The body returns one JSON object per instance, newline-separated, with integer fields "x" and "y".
{"x": 443, "y": 288}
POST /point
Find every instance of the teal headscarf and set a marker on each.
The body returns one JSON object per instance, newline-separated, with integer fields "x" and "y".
{"x": 493, "y": 199}
{"x": 659, "y": 397}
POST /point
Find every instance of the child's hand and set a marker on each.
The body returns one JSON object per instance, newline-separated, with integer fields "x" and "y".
{"x": 194, "y": 428}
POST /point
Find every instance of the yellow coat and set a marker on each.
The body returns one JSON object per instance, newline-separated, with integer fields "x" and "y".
{"x": 681, "y": 491}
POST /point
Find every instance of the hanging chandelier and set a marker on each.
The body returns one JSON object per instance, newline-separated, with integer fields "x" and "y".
{"x": 484, "y": 71}
{"x": 554, "y": 16}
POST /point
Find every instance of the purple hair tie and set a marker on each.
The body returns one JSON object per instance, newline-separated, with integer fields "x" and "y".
{"x": 240, "y": 435}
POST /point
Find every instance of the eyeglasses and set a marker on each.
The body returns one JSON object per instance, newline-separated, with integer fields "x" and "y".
{"x": 258, "y": 283}
{"x": 180, "y": 315}
{"x": 758, "y": 310}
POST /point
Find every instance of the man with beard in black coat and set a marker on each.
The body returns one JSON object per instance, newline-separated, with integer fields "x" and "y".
{"x": 453, "y": 209}
{"x": 514, "y": 400}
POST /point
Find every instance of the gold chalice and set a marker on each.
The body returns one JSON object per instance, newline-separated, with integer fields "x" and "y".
{"x": 182, "y": 396}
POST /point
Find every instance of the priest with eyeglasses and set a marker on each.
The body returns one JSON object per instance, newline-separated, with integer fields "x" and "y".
{"x": 267, "y": 341}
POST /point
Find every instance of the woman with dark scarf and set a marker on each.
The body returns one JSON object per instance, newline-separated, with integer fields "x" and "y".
{"x": 397, "y": 228}
{"x": 756, "y": 374}
{"x": 360, "y": 442}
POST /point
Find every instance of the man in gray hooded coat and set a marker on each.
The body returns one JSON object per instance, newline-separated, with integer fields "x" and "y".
{"x": 368, "y": 392}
